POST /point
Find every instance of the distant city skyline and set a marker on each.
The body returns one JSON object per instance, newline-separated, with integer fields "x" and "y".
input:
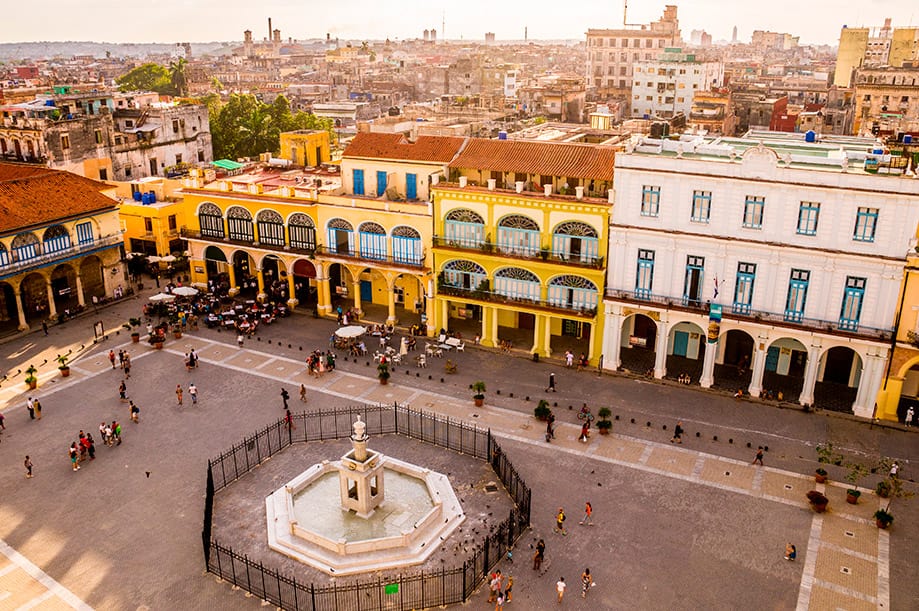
{"x": 168, "y": 21}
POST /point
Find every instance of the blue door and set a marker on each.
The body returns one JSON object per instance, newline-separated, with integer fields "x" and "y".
{"x": 772, "y": 358}
{"x": 411, "y": 186}
{"x": 366, "y": 290}
{"x": 381, "y": 183}
{"x": 680, "y": 343}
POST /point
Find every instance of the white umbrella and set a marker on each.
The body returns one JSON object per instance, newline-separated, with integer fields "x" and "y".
{"x": 153, "y": 259}
{"x": 350, "y": 331}
{"x": 185, "y": 291}
{"x": 168, "y": 258}
{"x": 162, "y": 297}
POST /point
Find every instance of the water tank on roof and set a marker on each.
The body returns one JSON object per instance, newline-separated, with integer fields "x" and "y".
{"x": 152, "y": 196}
{"x": 502, "y": 135}
{"x": 137, "y": 196}
{"x": 877, "y": 151}
{"x": 810, "y": 136}
{"x": 907, "y": 139}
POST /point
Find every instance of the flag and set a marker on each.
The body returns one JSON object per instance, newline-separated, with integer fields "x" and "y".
{"x": 715, "y": 294}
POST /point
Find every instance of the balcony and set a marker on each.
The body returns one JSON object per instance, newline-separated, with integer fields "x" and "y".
{"x": 416, "y": 262}
{"x": 835, "y": 327}
{"x": 59, "y": 256}
{"x": 492, "y": 297}
{"x": 548, "y": 255}
{"x": 195, "y": 234}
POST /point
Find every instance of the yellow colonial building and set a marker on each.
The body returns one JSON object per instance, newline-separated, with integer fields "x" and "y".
{"x": 60, "y": 244}
{"x": 521, "y": 231}
{"x": 354, "y": 238}
{"x": 900, "y": 388}
{"x": 152, "y": 224}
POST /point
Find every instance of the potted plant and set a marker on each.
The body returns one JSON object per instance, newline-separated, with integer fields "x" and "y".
{"x": 177, "y": 330}
{"x": 882, "y": 518}
{"x": 31, "y": 379}
{"x": 856, "y": 472}
{"x": 383, "y": 372}
{"x": 62, "y": 365}
{"x": 826, "y": 455}
{"x": 883, "y": 489}
{"x": 135, "y": 333}
{"x": 604, "y": 424}
{"x": 542, "y": 411}
{"x": 478, "y": 389}
{"x": 818, "y": 501}
{"x": 820, "y": 475}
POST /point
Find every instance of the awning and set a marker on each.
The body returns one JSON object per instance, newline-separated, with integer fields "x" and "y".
{"x": 226, "y": 164}
{"x": 146, "y": 127}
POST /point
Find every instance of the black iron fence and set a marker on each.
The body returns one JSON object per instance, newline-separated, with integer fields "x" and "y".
{"x": 403, "y": 591}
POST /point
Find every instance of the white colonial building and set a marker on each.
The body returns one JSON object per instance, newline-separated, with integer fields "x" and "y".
{"x": 667, "y": 85}
{"x": 786, "y": 255}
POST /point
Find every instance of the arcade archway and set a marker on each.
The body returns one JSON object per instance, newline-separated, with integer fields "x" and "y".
{"x": 838, "y": 379}
{"x": 637, "y": 341}
{"x": 734, "y": 370}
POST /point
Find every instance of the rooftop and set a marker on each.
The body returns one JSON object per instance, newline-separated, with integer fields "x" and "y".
{"x": 34, "y": 196}
{"x": 544, "y": 158}
{"x": 432, "y": 149}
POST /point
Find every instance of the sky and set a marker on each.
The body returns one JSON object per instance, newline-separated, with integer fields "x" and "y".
{"x": 816, "y": 21}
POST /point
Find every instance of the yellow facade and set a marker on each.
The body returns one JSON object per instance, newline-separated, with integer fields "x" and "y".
{"x": 853, "y": 42}
{"x": 901, "y": 384}
{"x": 306, "y": 147}
{"x": 152, "y": 229}
{"x": 904, "y": 46}
{"x": 508, "y": 261}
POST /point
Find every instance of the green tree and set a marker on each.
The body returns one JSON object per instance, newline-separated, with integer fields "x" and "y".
{"x": 178, "y": 76}
{"x": 148, "y": 77}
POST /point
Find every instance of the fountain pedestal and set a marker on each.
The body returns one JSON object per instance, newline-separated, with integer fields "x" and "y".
{"x": 360, "y": 475}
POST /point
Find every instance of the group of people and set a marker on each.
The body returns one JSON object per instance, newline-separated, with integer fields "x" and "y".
{"x": 499, "y": 592}
{"x": 582, "y": 362}
{"x": 318, "y": 362}
{"x": 121, "y": 361}
{"x": 80, "y": 450}
{"x": 539, "y": 556}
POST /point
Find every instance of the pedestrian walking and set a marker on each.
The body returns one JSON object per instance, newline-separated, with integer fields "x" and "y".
{"x": 74, "y": 454}
{"x": 560, "y": 586}
{"x": 289, "y": 421}
{"x": 91, "y": 446}
{"x": 550, "y": 426}
{"x": 179, "y": 393}
{"x": 678, "y": 433}
{"x": 585, "y": 432}
{"x": 588, "y": 514}
{"x": 111, "y": 358}
{"x": 285, "y": 396}
{"x": 560, "y": 521}
{"x": 135, "y": 413}
{"x": 44, "y": 328}
{"x": 30, "y": 405}
{"x": 586, "y": 582}
{"x": 303, "y": 393}
{"x": 494, "y": 587}
{"x": 539, "y": 555}
{"x": 27, "y": 463}
{"x": 127, "y": 367}
{"x": 791, "y": 552}
{"x": 194, "y": 358}
{"x": 551, "y": 385}
{"x": 123, "y": 391}
{"x": 910, "y": 413}
{"x": 37, "y": 405}
{"x": 569, "y": 359}
{"x": 239, "y": 340}
{"x": 507, "y": 591}
{"x": 193, "y": 393}
{"x": 759, "y": 456}
{"x": 499, "y": 603}
{"x": 894, "y": 470}
{"x": 116, "y": 432}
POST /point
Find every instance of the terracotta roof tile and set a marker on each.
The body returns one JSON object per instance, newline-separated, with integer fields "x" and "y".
{"x": 545, "y": 158}
{"x": 435, "y": 149}
{"x": 36, "y": 196}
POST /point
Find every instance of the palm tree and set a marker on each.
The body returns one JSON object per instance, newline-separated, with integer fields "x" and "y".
{"x": 178, "y": 76}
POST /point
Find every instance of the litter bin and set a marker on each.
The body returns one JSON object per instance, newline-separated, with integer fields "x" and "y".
{"x": 535, "y": 357}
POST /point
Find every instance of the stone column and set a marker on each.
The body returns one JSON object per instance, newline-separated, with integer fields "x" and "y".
{"x": 612, "y": 342}
{"x": 868, "y": 386}
{"x": 708, "y": 363}
{"x": 810, "y": 375}
{"x": 260, "y": 277}
{"x": 537, "y": 335}
{"x": 759, "y": 366}
{"x": 489, "y": 336}
{"x": 323, "y": 294}
{"x": 547, "y": 336}
{"x": 660, "y": 349}
{"x": 52, "y": 309}
{"x": 391, "y": 317}
{"x": 356, "y": 294}
{"x": 292, "y": 292}
{"x": 430, "y": 309}
{"x": 889, "y": 398}
{"x": 23, "y": 324}
{"x": 232, "y": 274}
{"x": 80, "y": 298}
{"x": 444, "y": 319}
{"x": 594, "y": 338}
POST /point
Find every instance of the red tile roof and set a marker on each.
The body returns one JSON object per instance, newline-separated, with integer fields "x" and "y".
{"x": 36, "y": 196}
{"x": 545, "y": 158}
{"x": 432, "y": 149}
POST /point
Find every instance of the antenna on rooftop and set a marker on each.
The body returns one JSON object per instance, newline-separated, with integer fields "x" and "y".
{"x": 443, "y": 25}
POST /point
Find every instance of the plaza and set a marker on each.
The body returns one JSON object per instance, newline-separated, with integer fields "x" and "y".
{"x": 691, "y": 526}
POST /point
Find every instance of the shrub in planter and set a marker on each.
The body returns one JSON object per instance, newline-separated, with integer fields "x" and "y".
{"x": 856, "y": 472}
{"x": 820, "y": 475}
{"x": 817, "y": 501}
{"x": 882, "y": 518}
{"x": 31, "y": 379}
{"x": 604, "y": 424}
{"x": 542, "y": 410}
{"x": 383, "y": 372}
{"x": 478, "y": 389}
{"x": 62, "y": 365}
{"x": 883, "y": 489}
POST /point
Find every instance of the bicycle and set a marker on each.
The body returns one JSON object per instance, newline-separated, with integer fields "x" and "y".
{"x": 585, "y": 414}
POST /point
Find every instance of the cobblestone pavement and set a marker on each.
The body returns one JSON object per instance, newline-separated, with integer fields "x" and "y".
{"x": 694, "y": 526}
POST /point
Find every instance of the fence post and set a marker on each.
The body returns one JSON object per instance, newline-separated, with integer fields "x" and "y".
{"x": 208, "y": 515}
{"x": 464, "y": 580}
{"x": 313, "y": 595}
{"x": 485, "y": 566}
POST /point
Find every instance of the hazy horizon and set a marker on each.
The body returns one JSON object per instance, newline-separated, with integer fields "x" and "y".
{"x": 206, "y": 21}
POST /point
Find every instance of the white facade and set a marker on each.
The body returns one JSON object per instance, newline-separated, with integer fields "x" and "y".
{"x": 666, "y": 86}
{"x": 805, "y": 259}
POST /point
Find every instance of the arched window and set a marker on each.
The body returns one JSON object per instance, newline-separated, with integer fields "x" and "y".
{"x": 517, "y": 283}
{"x": 56, "y": 239}
{"x": 341, "y": 237}
{"x": 270, "y": 228}
{"x": 463, "y": 274}
{"x": 4, "y": 256}
{"x": 576, "y": 241}
{"x": 210, "y": 219}
{"x": 573, "y": 292}
{"x": 406, "y": 246}
{"x": 518, "y": 235}
{"x": 465, "y": 228}
{"x": 301, "y": 231}
{"x": 373, "y": 240}
{"x": 25, "y": 246}
{"x": 239, "y": 224}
